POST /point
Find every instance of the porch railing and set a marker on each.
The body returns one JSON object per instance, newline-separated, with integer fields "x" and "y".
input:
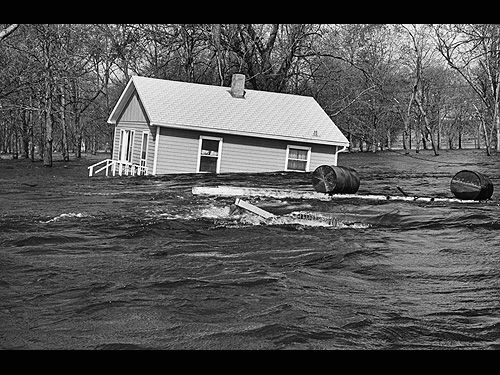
{"x": 115, "y": 167}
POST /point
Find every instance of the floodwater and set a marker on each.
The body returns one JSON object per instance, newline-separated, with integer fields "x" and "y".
{"x": 142, "y": 263}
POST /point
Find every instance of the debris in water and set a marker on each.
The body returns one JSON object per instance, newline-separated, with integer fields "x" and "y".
{"x": 254, "y": 209}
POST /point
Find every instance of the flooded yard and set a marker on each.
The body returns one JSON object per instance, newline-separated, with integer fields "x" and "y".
{"x": 142, "y": 263}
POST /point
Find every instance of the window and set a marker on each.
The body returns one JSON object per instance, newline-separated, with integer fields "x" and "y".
{"x": 144, "y": 151}
{"x": 144, "y": 148}
{"x": 297, "y": 158}
{"x": 209, "y": 154}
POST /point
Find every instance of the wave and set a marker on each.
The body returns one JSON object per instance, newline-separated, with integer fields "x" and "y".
{"x": 432, "y": 219}
{"x": 295, "y": 218}
{"x": 121, "y": 346}
{"x": 222, "y": 217}
{"x": 66, "y": 216}
{"x": 45, "y": 239}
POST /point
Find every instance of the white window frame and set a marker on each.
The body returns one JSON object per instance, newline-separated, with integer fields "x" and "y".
{"x": 219, "y": 152}
{"x": 308, "y": 161}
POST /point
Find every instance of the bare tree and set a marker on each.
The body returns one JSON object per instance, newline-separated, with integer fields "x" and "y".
{"x": 421, "y": 51}
{"x": 474, "y": 51}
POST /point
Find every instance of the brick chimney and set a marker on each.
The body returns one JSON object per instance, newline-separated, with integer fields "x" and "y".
{"x": 238, "y": 86}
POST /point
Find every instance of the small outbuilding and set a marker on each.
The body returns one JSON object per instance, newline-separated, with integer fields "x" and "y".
{"x": 167, "y": 127}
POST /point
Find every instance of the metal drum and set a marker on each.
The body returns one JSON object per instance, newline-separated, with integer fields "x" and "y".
{"x": 470, "y": 185}
{"x": 335, "y": 180}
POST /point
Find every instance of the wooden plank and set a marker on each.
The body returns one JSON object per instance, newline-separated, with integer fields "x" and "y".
{"x": 236, "y": 191}
{"x": 250, "y": 207}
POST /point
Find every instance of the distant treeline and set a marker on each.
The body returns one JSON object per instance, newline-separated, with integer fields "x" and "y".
{"x": 427, "y": 86}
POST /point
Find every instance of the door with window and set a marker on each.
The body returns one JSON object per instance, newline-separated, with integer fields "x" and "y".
{"x": 126, "y": 145}
{"x": 209, "y": 155}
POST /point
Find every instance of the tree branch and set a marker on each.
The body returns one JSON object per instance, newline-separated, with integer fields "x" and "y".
{"x": 7, "y": 31}
{"x": 352, "y": 101}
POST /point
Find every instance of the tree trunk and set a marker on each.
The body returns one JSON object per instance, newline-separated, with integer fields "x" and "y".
{"x": 483, "y": 125}
{"x": 93, "y": 146}
{"x": 79, "y": 138}
{"x": 15, "y": 151}
{"x": 424, "y": 139}
{"x": 497, "y": 126}
{"x": 418, "y": 126}
{"x": 478, "y": 136}
{"x": 76, "y": 119}
{"x": 407, "y": 126}
{"x": 426, "y": 123}
{"x": 496, "y": 111}
{"x": 374, "y": 140}
{"x": 409, "y": 136}
{"x": 25, "y": 134}
{"x": 47, "y": 155}
{"x": 64, "y": 125}
{"x": 31, "y": 132}
{"x": 486, "y": 139}
{"x": 8, "y": 30}
{"x": 216, "y": 32}
{"x": 439, "y": 132}
{"x": 405, "y": 135}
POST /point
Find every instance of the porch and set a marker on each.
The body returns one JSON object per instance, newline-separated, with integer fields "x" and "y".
{"x": 114, "y": 167}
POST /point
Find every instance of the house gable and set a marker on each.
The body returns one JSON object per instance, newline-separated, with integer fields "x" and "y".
{"x": 133, "y": 111}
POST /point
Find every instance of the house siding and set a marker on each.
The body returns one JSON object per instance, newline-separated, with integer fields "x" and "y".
{"x": 323, "y": 155}
{"x": 178, "y": 153}
{"x": 116, "y": 144}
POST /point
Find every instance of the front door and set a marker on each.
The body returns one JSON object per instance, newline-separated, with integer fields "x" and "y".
{"x": 126, "y": 145}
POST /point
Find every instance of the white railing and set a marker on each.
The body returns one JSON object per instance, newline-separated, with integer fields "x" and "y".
{"x": 117, "y": 166}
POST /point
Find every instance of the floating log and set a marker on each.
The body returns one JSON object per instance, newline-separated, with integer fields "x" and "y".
{"x": 335, "y": 180}
{"x": 237, "y": 191}
{"x": 470, "y": 185}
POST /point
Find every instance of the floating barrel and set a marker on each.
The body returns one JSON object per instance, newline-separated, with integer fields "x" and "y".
{"x": 335, "y": 180}
{"x": 470, "y": 185}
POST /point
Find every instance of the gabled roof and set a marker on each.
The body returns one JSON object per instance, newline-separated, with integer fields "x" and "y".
{"x": 213, "y": 109}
